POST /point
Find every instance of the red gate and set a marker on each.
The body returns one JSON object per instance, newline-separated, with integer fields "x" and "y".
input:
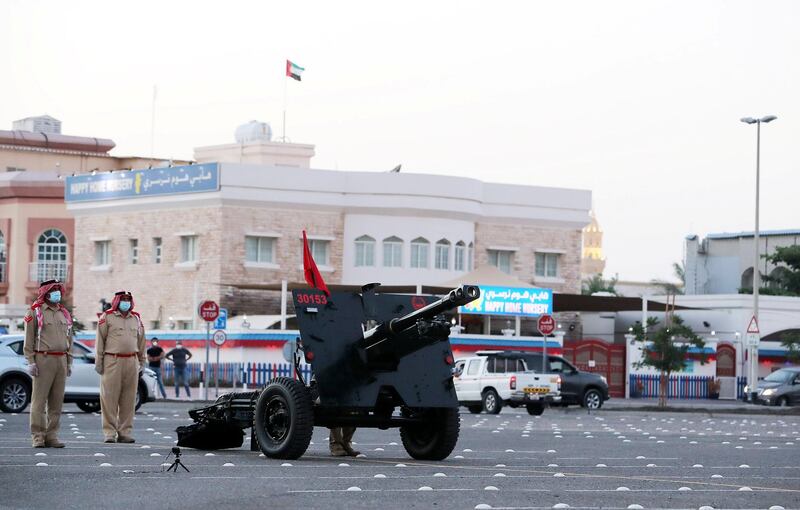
{"x": 601, "y": 358}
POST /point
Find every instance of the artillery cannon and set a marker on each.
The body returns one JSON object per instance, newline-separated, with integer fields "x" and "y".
{"x": 378, "y": 360}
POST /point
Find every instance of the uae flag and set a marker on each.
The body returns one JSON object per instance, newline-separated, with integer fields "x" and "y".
{"x": 293, "y": 70}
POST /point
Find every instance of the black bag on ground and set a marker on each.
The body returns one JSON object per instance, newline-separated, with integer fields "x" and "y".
{"x": 210, "y": 436}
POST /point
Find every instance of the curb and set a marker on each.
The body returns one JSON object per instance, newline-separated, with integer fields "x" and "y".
{"x": 756, "y": 410}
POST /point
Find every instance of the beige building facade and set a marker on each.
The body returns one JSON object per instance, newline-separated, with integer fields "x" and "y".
{"x": 174, "y": 250}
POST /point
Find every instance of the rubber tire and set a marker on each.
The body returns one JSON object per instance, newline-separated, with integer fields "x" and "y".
{"x": 300, "y": 407}
{"x": 535, "y": 409}
{"x": 476, "y": 409}
{"x": 495, "y": 405}
{"x": 592, "y": 395}
{"x": 87, "y": 406}
{"x": 782, "y": 402}
{"x": 26, "y": 386}
{"x": 436, "y": 438}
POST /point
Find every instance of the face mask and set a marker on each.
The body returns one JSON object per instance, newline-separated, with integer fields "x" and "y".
{"x": 124, "y": 306}
{"x": 55, "y": 296}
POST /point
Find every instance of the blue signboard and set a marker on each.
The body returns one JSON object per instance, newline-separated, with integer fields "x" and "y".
{"x": 222, "y": 319}
{"x": 525, "y": 302}
{"x": 142, "y": 183}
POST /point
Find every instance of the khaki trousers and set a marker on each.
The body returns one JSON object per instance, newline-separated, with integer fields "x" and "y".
{"x": 340, "y": 437}
{"x": 48, "y": 392}
{"x": 118, "y": 386}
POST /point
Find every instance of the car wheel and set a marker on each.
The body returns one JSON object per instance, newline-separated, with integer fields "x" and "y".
{"x": 782, "y": 402}
{"x": 15, "y": 394}
{"x": 491, "y": 402}
{"x": 89, "y": 406}
{"x": 475, "y": 409}
{"x": 592, "y": 399}
{"x": 535, "y": 409}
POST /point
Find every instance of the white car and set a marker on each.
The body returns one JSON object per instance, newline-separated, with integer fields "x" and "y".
{"x": 83, "y": 386}
{"x": 490, "y": 381}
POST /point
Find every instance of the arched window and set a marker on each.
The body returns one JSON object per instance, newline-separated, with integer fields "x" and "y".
{"x": 393, "y": 252}
{"x": 51, "y": 256}
{"x": 365, "y": 251}
{"x": 747, "y": 278}
{"x": 460, "y": 255}
{"x": 420, "y": 253}
{"x": 442, "y": 255}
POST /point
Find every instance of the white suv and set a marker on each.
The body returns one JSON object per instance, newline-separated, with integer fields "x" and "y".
{"x": 83, "y": 386}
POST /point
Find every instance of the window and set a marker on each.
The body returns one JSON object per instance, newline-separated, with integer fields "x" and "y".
{"x": 365, "y": 251}
{"x": 419, "y": 253}
{"x": 51, "y": 256}
{"x": 442, "y": 258}
{"x": 17, "y": 347}
{"x": 102, "y": 253}
{"x": 259, "y": 249}
{"x": 155, "y": 324}
{"x": 392, "y": 252}
{"x": 188, "y": 249}
{"x": 14, "y": 169}
{"x": 134, "y": 253}
{"x": 157, "y": 250}
{"x": 459, "y": 256}
{"x": 184, "y": 324}
{"x": 474, "y": 365}
{"x": 319, "y": 250}
{"x": 470, "y": 257}
{"x": 501, "y": 259}
{"x": 547, "y": 265}
{"x": 2, "y": 258}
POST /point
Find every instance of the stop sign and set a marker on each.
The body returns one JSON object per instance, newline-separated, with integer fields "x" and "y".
{"x": 546, "y": 324}
{"x": 208, "y": 311}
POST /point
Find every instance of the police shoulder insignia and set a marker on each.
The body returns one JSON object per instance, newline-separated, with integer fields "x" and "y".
{"x": 28, "y": 318}
{"x": 102, "y": 321}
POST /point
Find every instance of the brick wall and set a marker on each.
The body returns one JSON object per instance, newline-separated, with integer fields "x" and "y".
{"x": 527, "y": 240}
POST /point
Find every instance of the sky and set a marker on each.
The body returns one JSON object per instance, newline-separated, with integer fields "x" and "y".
{"x": 638, "y": 102}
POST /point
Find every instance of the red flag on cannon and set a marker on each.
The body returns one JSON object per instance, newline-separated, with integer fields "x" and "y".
{"x": 310, "y": 269}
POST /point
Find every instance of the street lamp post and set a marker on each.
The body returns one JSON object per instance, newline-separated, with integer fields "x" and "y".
{"x": 752, "y": 378}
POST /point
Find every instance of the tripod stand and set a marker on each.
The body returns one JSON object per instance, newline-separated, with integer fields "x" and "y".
{"x": 177, "y": 462}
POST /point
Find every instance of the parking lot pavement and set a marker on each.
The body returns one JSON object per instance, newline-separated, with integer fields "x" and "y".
{"x": 512, "y": 460}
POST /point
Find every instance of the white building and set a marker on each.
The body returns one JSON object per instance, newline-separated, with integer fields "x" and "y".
{"x": 723, "y": 263}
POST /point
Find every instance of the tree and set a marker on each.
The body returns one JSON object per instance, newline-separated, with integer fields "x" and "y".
{"x": 792, "y": 343}
{"x": 666, "y": 349}
{"x": 597, "y": 284}
{"x": 679, "y": 271}
{"x": 786, "y": 282}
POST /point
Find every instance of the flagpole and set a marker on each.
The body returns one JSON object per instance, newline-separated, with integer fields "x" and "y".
{"x": 285, "y": 79}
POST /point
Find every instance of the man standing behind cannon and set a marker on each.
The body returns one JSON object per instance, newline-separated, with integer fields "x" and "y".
{"x": 120, "y": 358}
{"x": 47, "y": 348}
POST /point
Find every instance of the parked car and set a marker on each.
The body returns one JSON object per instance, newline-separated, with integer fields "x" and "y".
{"x": 83, "y": 386}
{"x": 780, "y": 388}
{"x": 489, "y": 382}
{"x": 577, "y": 387}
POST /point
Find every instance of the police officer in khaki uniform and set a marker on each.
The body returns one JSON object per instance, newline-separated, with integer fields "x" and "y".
{"x": 120, "y": 358}
{"x": 47, "y": 348}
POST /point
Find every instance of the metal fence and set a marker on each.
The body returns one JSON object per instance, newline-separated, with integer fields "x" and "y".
{"x": 235, "y": 374}
{"x": 678, "y": 386}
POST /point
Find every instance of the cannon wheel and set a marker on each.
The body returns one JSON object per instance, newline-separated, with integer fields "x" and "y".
{"x": 284, "y": 419}
{"x": 435, "y": 437}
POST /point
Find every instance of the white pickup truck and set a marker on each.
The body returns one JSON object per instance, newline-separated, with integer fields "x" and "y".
{"x": 490, "y": 381}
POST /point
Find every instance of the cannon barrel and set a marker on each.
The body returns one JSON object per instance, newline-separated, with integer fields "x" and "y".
{"x": 455, "y": 298}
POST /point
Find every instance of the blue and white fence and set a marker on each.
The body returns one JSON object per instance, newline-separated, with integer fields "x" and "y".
{"x": 230, "y": 374}
{"x": 678, "y": 386}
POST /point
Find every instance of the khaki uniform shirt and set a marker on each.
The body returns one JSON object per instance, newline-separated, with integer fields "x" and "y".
{"x": 55, "y": 335}
{"x": 120, "y": 334}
